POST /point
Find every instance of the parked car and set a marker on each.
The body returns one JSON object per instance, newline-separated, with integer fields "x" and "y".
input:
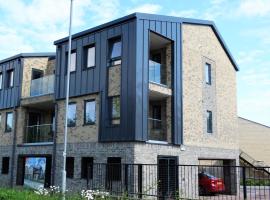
{"x": 209, "y": 184}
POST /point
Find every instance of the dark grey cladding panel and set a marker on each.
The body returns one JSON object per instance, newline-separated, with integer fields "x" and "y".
{"x": 94, "y": 80}
{"x": 9, "y": 97}
{"x": 171, "y": 30}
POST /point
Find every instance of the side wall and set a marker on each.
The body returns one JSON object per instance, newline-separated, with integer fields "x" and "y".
{"x": 200, "y": 44}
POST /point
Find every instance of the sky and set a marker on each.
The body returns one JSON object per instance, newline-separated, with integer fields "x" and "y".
{"x": 33, "y": 25}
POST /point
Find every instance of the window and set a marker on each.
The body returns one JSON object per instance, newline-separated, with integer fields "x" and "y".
{"x": 115, "y": 110}
{"x": 115, "y": 49}
{"x": 1, "y": 81}
{"x": 114, "y": 169}
{"x": 87, "y": 167}
{"x": 90, "y": 112}
{"x": 70, "y": 167}
{"x": 71, "y": 115}
{"x": 208, "y": 73}
{"x": 5, "y": 165}
{"x": 9, "y": 122}
{"x": 72, "y": 61}
{"x": 0, "y": 120}
{"x": 10, "y": 78}
{"x": 90, "y": 56}
{"x": 209, "y": 122}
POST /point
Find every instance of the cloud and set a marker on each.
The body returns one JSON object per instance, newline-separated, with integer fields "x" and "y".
{"x": 145, "y": 8}
{"x": 191, "y": 13}
{"x": 254, "y": 8}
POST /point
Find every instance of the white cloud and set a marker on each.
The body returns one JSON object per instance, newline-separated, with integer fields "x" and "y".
{"x": 253, "y": 8}
{"x": 145, "y": 8}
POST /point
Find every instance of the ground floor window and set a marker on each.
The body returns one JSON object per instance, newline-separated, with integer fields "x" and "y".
{"x": 87, "y": 167}
{"x": 70, "y": 167}
{"x": 5, "y": 165}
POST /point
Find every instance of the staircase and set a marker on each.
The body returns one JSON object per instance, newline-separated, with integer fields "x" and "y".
{"x": 257, "y": 164}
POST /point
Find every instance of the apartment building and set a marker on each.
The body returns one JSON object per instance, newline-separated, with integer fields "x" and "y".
{"x": 144, "y": 89}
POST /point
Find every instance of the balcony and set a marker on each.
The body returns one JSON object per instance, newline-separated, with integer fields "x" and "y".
{"x": 39, "y": 133}
{"x": 156, "y": 73}
{"x": 156, "y": 130}
{"x": 42, "y": 86}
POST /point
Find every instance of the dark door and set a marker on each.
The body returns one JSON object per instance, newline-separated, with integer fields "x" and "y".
{"x": 20, "y": 170}
{"x": 167, "y": 177}
{"x": 47, "y": 182}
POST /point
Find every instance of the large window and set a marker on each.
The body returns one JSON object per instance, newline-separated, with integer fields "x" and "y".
{"x": 90, "y": 56}
{"x": 10, "y": 78}
{"x": 208, "y": 73}
{"x": 9, "y": 122}
{"x": 73, "y": 56}
{"x": 72, "y": 114}
{"x": 209, "y": 122}
{"x": 115, "y": 49}
{"x": 114, "y": 169}
{"x": 90, "y": 112}
{"x": 87, "y": 167}
{"x": 1, "y": 80}
{"x": 70, "y": 167}
{"x": 115, "y": 110}
{"x": 5, "y": 165}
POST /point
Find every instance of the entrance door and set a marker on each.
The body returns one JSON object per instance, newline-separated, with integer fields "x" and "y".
{"x": 168, "y": 177}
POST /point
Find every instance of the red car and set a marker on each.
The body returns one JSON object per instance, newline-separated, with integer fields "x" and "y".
{"x": 209, "y": 184}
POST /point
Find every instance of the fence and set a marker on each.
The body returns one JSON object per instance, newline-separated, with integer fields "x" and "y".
{"x": 169, "y": 181}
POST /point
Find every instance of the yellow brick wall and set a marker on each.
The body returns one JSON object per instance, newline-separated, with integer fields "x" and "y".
{"x": 200, "y": 42}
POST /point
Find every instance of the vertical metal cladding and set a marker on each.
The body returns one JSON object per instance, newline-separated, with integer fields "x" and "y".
{"x": 10, "y": 97}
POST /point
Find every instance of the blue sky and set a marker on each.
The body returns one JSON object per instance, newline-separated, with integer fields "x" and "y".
{"x": 33, "y": 25}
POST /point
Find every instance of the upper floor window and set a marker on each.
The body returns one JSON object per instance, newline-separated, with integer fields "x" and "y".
{"x": 73, "y": 62}
{"x": 91, "y": 56}
{"x": 10, "y": 78}
{"x": 90, "y": 112}
{"x": 115, "y": 110}
{"x": 71, "y": 115}
{"x": 9, "y": 122}
{"x": 0, "y": 120}
{"x": 209, "y": 122}
{"x": 115, "y": 49}
{"x": 1, "y": 80}
{"x": 207, "y": 71}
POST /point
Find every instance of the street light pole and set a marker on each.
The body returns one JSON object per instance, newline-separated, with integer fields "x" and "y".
{"x": 67, "y": 103}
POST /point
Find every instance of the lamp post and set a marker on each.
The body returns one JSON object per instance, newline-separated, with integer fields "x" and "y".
{"x": 67, "y": 103}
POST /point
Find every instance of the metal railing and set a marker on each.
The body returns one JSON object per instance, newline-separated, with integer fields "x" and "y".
{"x": 156, "y": 73}
{"x": 42, "y": 86}
{"x": 39, "y": 133}
{"x": 167, "y": 181}
{"x": 156, "y": 130}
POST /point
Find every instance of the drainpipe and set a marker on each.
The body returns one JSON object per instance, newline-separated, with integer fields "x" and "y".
{"x": 54, "y": 144}
{"x": 13, "y": 147}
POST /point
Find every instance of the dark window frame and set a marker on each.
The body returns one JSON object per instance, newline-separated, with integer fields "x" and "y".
{"x": 70, "y": 161}
{"x": 87, "y": 167}
{"x": 111, "y": 110}
{"x": 209, "y": 122}
{"x": 5, "y": 165}
{"x": 85, "y": 56}
{"x": 111, "y": 41}
{"x": 114, "y": 169}
{"x": 208, "y": 79}
{"x": 73, "y": 125}
{"x": 84, "y": 120}
{"x": 8, "y": 130}
{"x": 8, "y": 78}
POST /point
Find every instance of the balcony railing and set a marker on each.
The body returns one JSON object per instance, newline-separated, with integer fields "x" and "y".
{"x": 156, "y": 73}
{"x": 39, "y": 133}
{"x": 42, "y": 86}
{"x": 156, "y": 130}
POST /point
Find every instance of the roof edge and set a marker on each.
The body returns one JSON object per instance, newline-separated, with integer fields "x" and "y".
{"x": 25, "y": 55}
{"x": 258, "y": 123}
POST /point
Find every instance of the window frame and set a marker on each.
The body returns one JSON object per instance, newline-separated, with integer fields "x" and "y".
{"x": 5, "y": 165}
{"x": 8, "y": 130}
{"x": 10, "y": 84}
{"x": 70, "y": 162}
{"x": 72, "y": 103}
{"x": 85, "y": 56}
{"x": 209, "y": 122}
{"x": 112, "y": 41}
{"x": 84, "y": 169}
{"x": 84, "y": 116}
{"x": 1, "y": 80}
{"x": 208, "y": 73}
{"x": 66, "y": 61}
{"x": 112, "y": 118}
